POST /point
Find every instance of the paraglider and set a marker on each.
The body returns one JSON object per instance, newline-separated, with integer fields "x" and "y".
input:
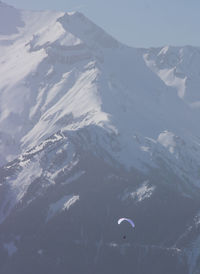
{"x": 129, "y": 221}
{"x": 126, "y": 219}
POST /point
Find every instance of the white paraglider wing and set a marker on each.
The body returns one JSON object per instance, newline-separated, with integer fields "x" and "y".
{"x": 126, "y": 219}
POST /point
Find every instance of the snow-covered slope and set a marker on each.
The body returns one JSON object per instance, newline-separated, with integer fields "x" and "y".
{"x": 86, "y": 120}
{"x": 178, "y": 67}
{"x": 47, "y": 67}
{"x": 66, "y": 73}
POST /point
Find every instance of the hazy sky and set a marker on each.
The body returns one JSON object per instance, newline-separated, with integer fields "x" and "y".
{"x": 139, "y": 23}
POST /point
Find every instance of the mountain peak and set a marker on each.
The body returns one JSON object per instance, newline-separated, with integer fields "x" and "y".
{"x": 4, "y": 5}
{"x": 82, "y": 27}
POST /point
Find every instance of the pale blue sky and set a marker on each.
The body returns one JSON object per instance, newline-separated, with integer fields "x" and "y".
{"x": 139, "y": 23}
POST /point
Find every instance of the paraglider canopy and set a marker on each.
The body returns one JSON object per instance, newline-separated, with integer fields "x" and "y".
{"x": 126, "y": 219}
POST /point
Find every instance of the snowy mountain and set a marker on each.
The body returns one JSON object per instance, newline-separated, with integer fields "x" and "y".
{"x": 91, "y": 130}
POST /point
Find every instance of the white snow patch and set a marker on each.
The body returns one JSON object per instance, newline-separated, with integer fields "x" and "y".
{"x": 166, "y": 139}
{"x": 41, "y": 146}
{"x": 24, "y": 163}
{"x": 168, "y": 76}
{"x": 197, "y": 219}
{"x": 143, "y": 192}
{"x": 113, "y": 245}
{"x": 10, "y": 248}
{"x": 61, "y": 205}
{"x": 19, "y": 185}
{"x": 144, "y": 148}
{"x": 40, "y": 251}
{"x": 164, "y": 50}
